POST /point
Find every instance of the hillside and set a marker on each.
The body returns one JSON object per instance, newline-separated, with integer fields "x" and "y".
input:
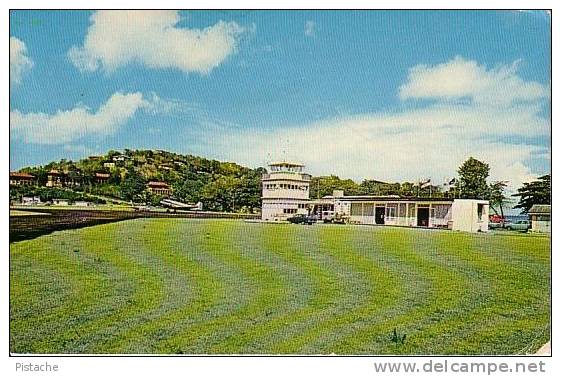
{"x": 221, "y": 186}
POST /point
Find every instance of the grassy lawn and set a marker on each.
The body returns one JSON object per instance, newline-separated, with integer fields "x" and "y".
{"x": 225, "y": 286}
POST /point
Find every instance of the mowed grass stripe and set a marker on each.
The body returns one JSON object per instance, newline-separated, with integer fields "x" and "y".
{"x": 359, "y": 281}
{"x": 134, "y": 289}
{"x": 181, "y": 244}
{"x": 28, "y": 293}
{"x": 509, "y": 269}
{"x": 388, "y": 275}
{"x": 173, "y": 289}
{"x": 85, "y": 280}
{"x": 246, "y": 334}
{"x": 447, "y": 288}
{"x": 441, "y": 324}
{"x": 265, "y": 291}
{"x": 285, "y": 241}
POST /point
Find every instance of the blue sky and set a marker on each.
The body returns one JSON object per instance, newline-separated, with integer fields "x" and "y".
{"x": 390, "y": 95}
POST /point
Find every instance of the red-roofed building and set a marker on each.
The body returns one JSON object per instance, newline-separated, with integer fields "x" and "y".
{"x": 21, "y": 178}
{"x": 101, "y": 177}
{"x": 159, "y": 188}
{"x": 55, "y": 178}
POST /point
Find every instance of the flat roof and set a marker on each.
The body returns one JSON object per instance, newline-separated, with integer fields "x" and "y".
{"x": 287, "y": 164}
{"x": 390, "y": 198}
{"x": 540, "y": 209}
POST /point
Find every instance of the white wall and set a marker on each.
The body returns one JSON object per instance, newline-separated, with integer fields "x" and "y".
{"x": 274, "y": 210}
{"x": 541, "y": 226}
{"x": 302, "y": 194}
{"x": 465, "y": 215}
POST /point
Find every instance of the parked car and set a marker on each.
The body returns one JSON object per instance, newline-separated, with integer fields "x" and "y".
{"x": 493, "y": 225}
{"x": 522, "y": 225}
{"x": 302, "y": 219}
{"x": 327, "y": 216}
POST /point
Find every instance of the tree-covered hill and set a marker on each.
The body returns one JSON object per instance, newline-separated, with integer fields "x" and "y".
{"x": 221, "y": 186}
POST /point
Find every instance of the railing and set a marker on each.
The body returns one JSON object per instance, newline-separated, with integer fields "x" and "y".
{"x": 299, "y": 176}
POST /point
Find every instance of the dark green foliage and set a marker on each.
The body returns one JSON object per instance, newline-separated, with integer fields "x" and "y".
{"x": 222, "y": 186}
{"x": 497, "y": 196}
{"x": 133, "y": 186}
{"x": 398, "y": 339}
{"x": 536, "y": 192}
{"x": 325, "y": 185}
{"x": 473, "y": 179}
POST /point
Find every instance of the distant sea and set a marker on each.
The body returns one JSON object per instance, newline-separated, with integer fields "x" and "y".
{"x": 514, "y": 218}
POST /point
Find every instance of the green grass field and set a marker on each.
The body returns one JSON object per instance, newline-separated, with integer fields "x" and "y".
{"x": 230, "y": 287}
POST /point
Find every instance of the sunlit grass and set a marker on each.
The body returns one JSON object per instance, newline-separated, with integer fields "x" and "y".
{"x": 226, "y": 286}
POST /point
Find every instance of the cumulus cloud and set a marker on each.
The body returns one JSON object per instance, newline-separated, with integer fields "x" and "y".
{"x": 427, "y": 141}
{"x": 310, "y": 28}
{"x": 19, "y": 61}
{"x": 68, "y": 125}
{"x": 116, "y": 38}
{"x": 461, "y": 78}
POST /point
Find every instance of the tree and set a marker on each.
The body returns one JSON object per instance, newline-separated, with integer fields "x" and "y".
{"x": 497, "y": 197}
{"x": 379, "y": 188}
{"x": 536, "y": 192}
{"x": 473, "y": 179}
{"x": 132, "y": 186}
{"x": 325, "y": 185}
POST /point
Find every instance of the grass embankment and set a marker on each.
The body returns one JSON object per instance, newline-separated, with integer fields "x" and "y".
{"x": 222, "y": 286}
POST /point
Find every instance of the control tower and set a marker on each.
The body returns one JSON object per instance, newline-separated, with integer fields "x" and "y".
{"x": 286, "y": 191}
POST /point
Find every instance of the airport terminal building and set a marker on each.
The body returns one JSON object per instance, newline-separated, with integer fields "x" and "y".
{"x": 286, "y": 193}
{"x": 455, "y": 214}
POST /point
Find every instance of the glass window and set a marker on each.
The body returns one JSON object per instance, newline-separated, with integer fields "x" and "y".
{"x": 402, "y": 210}
{"x": 391, "y": 210}
{"x": 479, "y": 211}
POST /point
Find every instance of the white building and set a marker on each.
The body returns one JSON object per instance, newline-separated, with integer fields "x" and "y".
{"x": 470, "y": 215}
{"x": 60, "y": 202}
{"x": 540, "y": 215}
{"x": 82, "y": 203}
{"x": 456, "y": 214}
{"x": 286, "y": 191}
{"x": 35, "y": 200}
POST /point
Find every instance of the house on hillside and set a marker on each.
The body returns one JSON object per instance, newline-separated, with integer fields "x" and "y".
{"x": 159, "y": 188}
{"x": 101, "y": 177}
{"x": 540, "y": 216}
{"x": 56, "y": 178}
{"x": 109, "y": 164}
{"x": 21, "y": 178}
{"x": 119, "y": 158}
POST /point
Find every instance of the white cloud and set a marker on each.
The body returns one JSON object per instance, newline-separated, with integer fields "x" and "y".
{"x": 19, "y": 61}
{"x": 68, "y": 125}
{"x": 150, "y": 37}
{"x": 460, "y": 78}
{"x": 432, "y": 140}
{"x": 310, "y": 29}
